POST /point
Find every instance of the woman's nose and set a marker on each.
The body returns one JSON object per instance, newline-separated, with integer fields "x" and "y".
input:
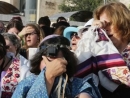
{"x": 73, "y": 38}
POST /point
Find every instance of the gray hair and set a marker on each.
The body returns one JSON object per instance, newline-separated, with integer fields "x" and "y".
{"x": 13, "y": 38}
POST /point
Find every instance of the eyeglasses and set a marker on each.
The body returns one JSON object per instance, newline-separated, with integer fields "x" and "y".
{"x": 30, "y": 34}
{"x": 74, "y": 34}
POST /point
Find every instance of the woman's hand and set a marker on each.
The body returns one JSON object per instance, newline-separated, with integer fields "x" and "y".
{"x": 22, "y": 33}
{"x": 55, "y": 68}
{"x": 25, "y": 31}
{"x": 100, "y": 24}
{"x": 29, "y": 29}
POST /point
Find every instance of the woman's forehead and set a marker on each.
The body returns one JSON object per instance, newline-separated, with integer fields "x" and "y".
{"x": 29, "y": 27}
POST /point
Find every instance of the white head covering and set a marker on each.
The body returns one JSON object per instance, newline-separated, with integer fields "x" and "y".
{"x": 89, "y": 22}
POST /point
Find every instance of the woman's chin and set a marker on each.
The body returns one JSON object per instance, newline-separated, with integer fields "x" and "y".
{"x": 74, "y": 48}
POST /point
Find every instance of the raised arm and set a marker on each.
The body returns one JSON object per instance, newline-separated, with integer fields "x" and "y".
{"x": 53, "y": 69}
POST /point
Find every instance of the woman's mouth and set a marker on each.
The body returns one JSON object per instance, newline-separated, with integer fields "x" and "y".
{"x": 28, "y": 40}
{"x": 110, "y": 36}
{"x": 73, "y": 44}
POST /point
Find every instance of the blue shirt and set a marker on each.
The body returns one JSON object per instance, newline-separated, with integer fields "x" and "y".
{"x": 35, "y": 87}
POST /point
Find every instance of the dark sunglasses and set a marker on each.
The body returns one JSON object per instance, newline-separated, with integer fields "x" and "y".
{"x": 74, "y": 34}
{"x": 30, "y": 34}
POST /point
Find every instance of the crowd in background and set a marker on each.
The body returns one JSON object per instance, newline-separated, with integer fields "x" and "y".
{"x": 59, "y": 67}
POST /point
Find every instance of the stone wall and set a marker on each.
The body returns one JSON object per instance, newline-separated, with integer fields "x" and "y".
{"x": 16, "y": 3}
{"x": 48, "y": 7}
{"x": 8, "y": 1}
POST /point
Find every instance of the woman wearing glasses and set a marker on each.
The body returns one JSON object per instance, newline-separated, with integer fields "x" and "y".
{"x": 73, "y": 34}
{"x": 32, "y": 35}
{"x": 13, "y": 44}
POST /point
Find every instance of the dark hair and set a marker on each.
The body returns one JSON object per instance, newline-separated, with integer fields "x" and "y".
{"x": 62, "y": 23}
{"x": 60, "y": 30}
{"x": 17, "y": 24}
{"x": 17, "y": 19}
{"x": 47, "y": 30}
{"x": 2, "y": 27}
{"x": 69, "y": 56}
{"x": 13, "y": 39}
{"x": 44, "y": 20}
{"x": 61, "y": 19}
{"x": 2, "y": 47}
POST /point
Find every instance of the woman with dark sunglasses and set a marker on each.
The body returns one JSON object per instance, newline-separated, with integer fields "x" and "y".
{"x": 54, "y": 66}
{"x": 73, "y": 34}
{"x": 74, "y": 40}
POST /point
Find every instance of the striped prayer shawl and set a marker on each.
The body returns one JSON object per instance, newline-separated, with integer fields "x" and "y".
{"x": 96, "y": 52}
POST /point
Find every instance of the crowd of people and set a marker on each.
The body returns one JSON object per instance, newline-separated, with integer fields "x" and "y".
{"x": 90, "y": 61}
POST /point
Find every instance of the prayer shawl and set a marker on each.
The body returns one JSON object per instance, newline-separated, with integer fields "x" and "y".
{"x": 18, "y": 70}
{"x": 96, "y": 52}
{"x": 126, "y": 55}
